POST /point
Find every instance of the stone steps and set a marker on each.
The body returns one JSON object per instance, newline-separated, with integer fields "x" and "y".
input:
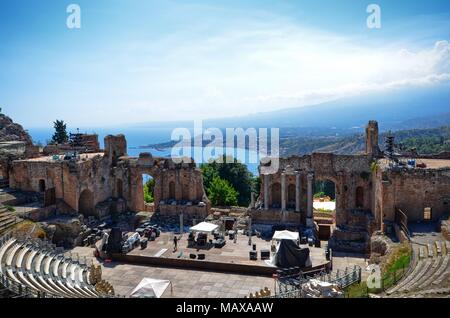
{"x": 437, "y": 291}
{"x": 421, "y": 276}
{"x": 431, "y": 268}
{"x": 418, "y": 267}
{"x": 438, "y": 247}
{"x": 430, "y": 250}
{"x": 428, "y": 279}
{"x": 33, "y": 268}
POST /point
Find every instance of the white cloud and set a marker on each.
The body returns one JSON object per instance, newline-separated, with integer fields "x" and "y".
{"x": 274, "y": 67}
{"x": 236, "y": 69}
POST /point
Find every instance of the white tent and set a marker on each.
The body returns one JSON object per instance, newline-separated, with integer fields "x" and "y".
{"x": 204, "y": 227}
{"x": 150, "y": 288}
{"x": 285, "y": 235}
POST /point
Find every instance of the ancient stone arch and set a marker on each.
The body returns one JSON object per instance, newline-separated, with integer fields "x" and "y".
{"x": 172, "y": 190}
{"x": 86, "y": 203}
{"x": 291, "y": 196}
{"x": 359, "y": 197}
{"x": 119, "y": 188}
{"x": 276, "y": 194}
{"x": 178, "y": 186}
{"x": 42, "y": 187}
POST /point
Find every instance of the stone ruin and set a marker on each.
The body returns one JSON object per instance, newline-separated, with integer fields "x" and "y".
{"x": 110, "y": 182}
{"x": 102, "y": 183}
{"x": 369, "y": 189}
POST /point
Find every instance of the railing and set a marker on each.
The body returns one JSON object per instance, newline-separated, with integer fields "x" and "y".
{"x": 291, "y": 286}
{"x": 402, "y": 221}
{"x": 388, "y": 280}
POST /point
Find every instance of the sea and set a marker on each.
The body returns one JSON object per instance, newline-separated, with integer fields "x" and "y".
{"x": 138, "y": 140}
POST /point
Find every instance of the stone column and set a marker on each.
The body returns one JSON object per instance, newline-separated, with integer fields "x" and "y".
{"x": 297, "y": 191}
{"x": 283, "y": 192}
{"x": 266, "y": 192}
{"x": 309, "y": 211}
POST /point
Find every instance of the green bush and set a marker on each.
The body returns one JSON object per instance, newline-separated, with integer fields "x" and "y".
{"x": 237, "y": 175}
{"x": 149, "y": 187}
{"x": 222, "y": 193}
{"x": 10, "y": 208}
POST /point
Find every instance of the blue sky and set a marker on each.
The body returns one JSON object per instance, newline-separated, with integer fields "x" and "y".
{"x": 138, "y": 61}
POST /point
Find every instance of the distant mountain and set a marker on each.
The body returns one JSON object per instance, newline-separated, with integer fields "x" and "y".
{"x": 407, "y": 108}
{"x": 425, "y": 141}
{"x": 394, "y": 109}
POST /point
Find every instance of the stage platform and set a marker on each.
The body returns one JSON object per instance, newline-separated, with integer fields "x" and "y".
{"x": 233, "y": 257}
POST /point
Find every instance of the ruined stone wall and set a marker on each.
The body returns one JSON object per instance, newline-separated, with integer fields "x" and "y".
{"x": 276, "y": 216}
{"x": 98, "y": 184}
{"x": 412, "y": 191}
{"x": 177, "y": 186}
{"x": 348, "y": 172}
{"x": 69, "y": 179}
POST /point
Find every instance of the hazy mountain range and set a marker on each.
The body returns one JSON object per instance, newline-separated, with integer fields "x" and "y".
{"x": 338, "y": 126}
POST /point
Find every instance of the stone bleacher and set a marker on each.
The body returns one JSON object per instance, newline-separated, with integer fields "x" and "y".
{"x": 35, "y": 269}
{"x": 431, "y": 272}
{"x": 7, "y": 218}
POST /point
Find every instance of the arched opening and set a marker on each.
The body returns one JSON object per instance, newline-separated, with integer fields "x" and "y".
{"x": 114, "y": 159}
{"x": 149, "y": 188}
{"x": 185, "y": 192}
{"x": 42, "y": 185}
{"x": 291, "y": 196}
{"x": 86, "y": 203}
{"x": 119, "y": 188}
{"x": 324, "y": 205}
{"x": 172, "y": 190}
{"x": 276, "y": 195}
{"x": 359, "y": 197}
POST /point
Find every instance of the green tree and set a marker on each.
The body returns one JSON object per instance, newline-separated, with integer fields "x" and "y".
{"x": 222, "y": 193}
{"x": 231, "y": 170}
{"x": 60, "y": 136}
{"x": 149, "y": 188}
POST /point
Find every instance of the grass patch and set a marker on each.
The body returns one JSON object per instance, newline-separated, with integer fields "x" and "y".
{"x": 392, "y": 271}
{"x": 10, "y": 208}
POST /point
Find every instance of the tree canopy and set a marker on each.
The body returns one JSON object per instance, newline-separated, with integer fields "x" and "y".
{"x": 222, "y": 193}
{"x": 149, "y": 188}
{"x": 60, "y": 136}
{"x": 235, "y": 173}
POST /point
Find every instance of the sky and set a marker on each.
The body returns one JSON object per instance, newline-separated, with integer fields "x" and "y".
{"x": 135, "y": 61}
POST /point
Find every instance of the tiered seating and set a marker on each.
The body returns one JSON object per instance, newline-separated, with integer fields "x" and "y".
{"x": 430, "y": 271}
{"x": 41, "y": 272}
{"x": 7, "y": 219}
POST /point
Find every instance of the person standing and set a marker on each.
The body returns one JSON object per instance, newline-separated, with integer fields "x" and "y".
{"x": 175, "y": 243}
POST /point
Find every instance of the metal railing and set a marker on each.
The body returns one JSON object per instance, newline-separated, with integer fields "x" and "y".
{"x": 401, "y": 219}
{"x": 291, "y": 286}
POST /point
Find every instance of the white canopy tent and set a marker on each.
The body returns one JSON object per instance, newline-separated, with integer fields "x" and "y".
{"x": 150, "y": 288}
{"x": 285, "y": 235}
{"x": 204, "y": 227}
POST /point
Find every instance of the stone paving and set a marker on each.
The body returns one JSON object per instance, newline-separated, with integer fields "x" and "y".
{"x": 186, "y": 283}
{"x": 342, "y": 260}
{"x": 196, "y": 283}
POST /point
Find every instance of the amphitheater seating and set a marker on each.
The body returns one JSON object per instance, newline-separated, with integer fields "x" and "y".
{"x": 7, "y": 219}
{"x": 41, "y": 271}
{"x": 428, "y": 272}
